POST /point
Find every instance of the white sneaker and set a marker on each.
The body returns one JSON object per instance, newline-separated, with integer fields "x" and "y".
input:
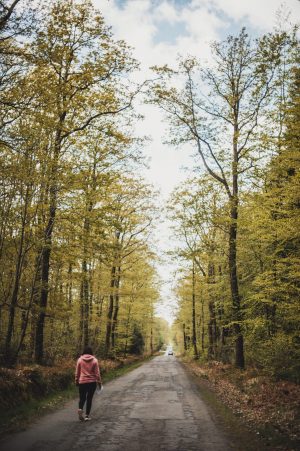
{"x": 87, "y": 418}
{"x": 80, "y": 414}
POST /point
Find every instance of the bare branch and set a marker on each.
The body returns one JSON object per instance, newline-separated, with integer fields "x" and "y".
{"x": 8, "y": 12}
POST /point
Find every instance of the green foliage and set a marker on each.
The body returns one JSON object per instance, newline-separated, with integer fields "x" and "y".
{"x": 76, "y": 257}
{"x": 278, "y": 356}
{"x": 76, "y": 264}
{"x": 268, "y": 224}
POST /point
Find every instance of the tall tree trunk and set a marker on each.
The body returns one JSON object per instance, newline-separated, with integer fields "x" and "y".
{"x": 15, "y": 293}
{"x": 86, "y": 278}
{"x": 45, "y": 269}
{"x": 127, "y": 325}
{"x": 236, "y": 301}
{"x": 210, "y": 330}
{"x": 81, "y": 316}
{"x": 114, "y": 322}
{"x": 85, "y": 303}
{"x": 99, "y": 309}
{"x": 91, "y": 291}
{"x": 151, "y": 336}
{"x": 69, "y": 296}
{"x": 29, "y": 310}
{"x": 116, "y": 310}
{"x": 46, "y": 250}
{"x": 212, "y": 313}
{"x": 203, "y": 326}
{"x": 69, "y": 288}
{"x": 194, "y": 335}
{"x": 110, "y": 310}
{"x": 184, "y": 337}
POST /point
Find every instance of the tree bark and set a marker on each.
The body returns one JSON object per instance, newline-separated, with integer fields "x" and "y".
{"x": 85, "y": 304}
{"x": 212, "y": 314}
{"x": 237, "y": 316}
{"x": 110, "y": 310}
{"x": 151, "y": 336}
{"x": 85, "y": 289}
{"x": 184, "y": 337}
{"x": 29, "y": 310}
{"x": 46, "y": 250}
{"x": 14, "y": 298}
{"x": 127, "y": 324}
{"x": 116, "y": 310}
{"x": 194, "y": 336}
{"x": 45, "y": 269}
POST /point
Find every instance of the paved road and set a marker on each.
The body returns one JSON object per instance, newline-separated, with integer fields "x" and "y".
{"x": 156, "y": 407}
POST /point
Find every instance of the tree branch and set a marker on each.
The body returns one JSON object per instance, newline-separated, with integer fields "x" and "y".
{"x": 9, "y": 11}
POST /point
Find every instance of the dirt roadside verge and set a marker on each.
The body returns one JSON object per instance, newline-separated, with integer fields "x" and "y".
{"x": 248, "y": 424}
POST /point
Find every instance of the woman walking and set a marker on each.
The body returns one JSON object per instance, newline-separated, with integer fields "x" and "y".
{"x": 87, "y": 376}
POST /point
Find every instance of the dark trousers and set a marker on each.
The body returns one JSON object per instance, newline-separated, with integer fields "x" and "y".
{"x": 86, "y": 393}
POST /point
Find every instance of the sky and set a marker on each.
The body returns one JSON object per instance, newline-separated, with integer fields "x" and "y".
{"x": 158, "y": 31}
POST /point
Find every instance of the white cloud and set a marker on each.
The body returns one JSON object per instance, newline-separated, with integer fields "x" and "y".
{"x": 195, "y": 23}
{"x": 132, "y": 23}
{"x": 138, "y": 22}
{"x": 260, "y": 14}
{"x": 166, "y": 12}
{"x": 201, "y": 23}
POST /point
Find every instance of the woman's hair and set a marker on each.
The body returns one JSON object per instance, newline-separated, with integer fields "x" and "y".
{"x": 87, "y": 350}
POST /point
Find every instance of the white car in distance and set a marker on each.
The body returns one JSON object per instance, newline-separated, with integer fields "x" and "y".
{"x": 170, "y": 351}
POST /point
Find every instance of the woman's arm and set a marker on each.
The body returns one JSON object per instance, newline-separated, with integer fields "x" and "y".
{"x": 77, "y": 372}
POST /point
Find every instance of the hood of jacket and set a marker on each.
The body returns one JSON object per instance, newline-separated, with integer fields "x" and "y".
{"x": 87, "y": 357}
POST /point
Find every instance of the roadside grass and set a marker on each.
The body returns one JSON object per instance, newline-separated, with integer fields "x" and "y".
{"x": 19, "y": 417}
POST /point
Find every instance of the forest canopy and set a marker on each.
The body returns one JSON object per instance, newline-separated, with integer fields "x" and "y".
{"x": 238, "y": 219}
{"x": 75, "y": 233}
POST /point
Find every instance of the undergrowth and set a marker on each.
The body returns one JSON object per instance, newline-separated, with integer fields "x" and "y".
{"x": 267, "y": 406}
{"x": 43, "y": 396}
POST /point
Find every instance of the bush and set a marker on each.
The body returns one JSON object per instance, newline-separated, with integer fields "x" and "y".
{"x": 21, "y": 384}
{"x": 279, "y": 357}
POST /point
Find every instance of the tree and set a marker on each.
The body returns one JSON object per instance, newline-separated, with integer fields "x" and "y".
{"x": 129, "y": 221}
{"x": 72, "y": 210}
{"x": 7, "y": 9}
{"x": 75, "y": 66}
{"x": 198, "y": 215}
{"x": 17, "y": 189}
{"x": 222, "y": 118}
{"x": 270, "y": 256}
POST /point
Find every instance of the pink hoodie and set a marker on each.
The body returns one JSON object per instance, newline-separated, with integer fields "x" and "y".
{"x": 87, "y": 370}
